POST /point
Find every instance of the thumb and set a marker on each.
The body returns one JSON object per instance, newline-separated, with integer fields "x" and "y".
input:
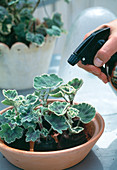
{"x": 106, "y": 51}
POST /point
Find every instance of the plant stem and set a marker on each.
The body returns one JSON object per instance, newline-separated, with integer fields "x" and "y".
{"x": 70, "y": 100}
{"x": 15, "y": 107}
{"x": 46, "y": 12}
{"x": 32, "y": 146}
{"x": 35, "y": 6}
{"x": 78, "y": 122}
{"x": 49, "y": 130}
{"x": 40, "y": 125}
{"x": 65, "y": 98}
{"x": 48, "y": 95}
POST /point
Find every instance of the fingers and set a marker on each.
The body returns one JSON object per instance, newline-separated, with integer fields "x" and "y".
{"x": 94, "y": 70}
{"x": 105, "y": 53}
{"x": 107, "y": 50}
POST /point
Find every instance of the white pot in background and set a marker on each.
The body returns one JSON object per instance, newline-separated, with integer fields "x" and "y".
{"x": 20, "y": 63}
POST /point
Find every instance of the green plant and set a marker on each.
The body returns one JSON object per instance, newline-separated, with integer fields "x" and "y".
{"x": 17, "y": 23}
{"x": 49, "y": 122}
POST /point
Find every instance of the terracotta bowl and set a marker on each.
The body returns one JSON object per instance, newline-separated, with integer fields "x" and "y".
{"x": 54, "y": 160}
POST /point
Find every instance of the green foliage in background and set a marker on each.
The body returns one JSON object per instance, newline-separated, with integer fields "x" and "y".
{"x": 17, "y": 23}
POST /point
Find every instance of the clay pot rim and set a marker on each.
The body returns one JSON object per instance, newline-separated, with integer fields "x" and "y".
{"x": 93, "y": 138}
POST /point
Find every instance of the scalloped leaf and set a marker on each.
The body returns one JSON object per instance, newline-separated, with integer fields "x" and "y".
{"x": 31, "y": 116}
{"x": 48, "y": 21}
{"x": 32, "y": 135}
{"x": 37, "y": 39}
{"x": 19, "y": 99}
{"x": 57, "y": 20}
{"x": 86, "y": 112}
{"x": 73, "y": 112}
{"x": 58, "y": 108}
{"x": 23, "y": 110}
{"x": 12, "y": 98}
{"x": 67, "y": 89}
{"x": 47, "y": 81}
{"x": 7, "y": 102}
{"x": 76, "y": 83}
{"x": 54, "y": 31}
{"x": 16, "y": 120}
{"x": 3, "y": 119}
{"x": 11, "y": 102}
{"x": 31, "y": 124}
{"x": 10, "y": 134}
{"x": 13, "y": 117}
{"x": 10, "y": 94}
{"x": 58, "y": 123}
{"x": 9, "y": 114}
{"x": 25, "y": 15}
{"x": 31, "y": 99}
{"x": 56, "y": 93}
{"x": 76, "y": 129}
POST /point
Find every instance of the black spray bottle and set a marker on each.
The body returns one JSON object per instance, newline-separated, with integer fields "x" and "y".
{"x": 87, "y": 50}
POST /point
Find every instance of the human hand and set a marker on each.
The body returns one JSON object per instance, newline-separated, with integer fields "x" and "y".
{"x": 105, "y": 52}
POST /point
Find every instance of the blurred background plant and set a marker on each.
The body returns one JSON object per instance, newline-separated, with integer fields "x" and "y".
{"x": 17, "y": 23}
